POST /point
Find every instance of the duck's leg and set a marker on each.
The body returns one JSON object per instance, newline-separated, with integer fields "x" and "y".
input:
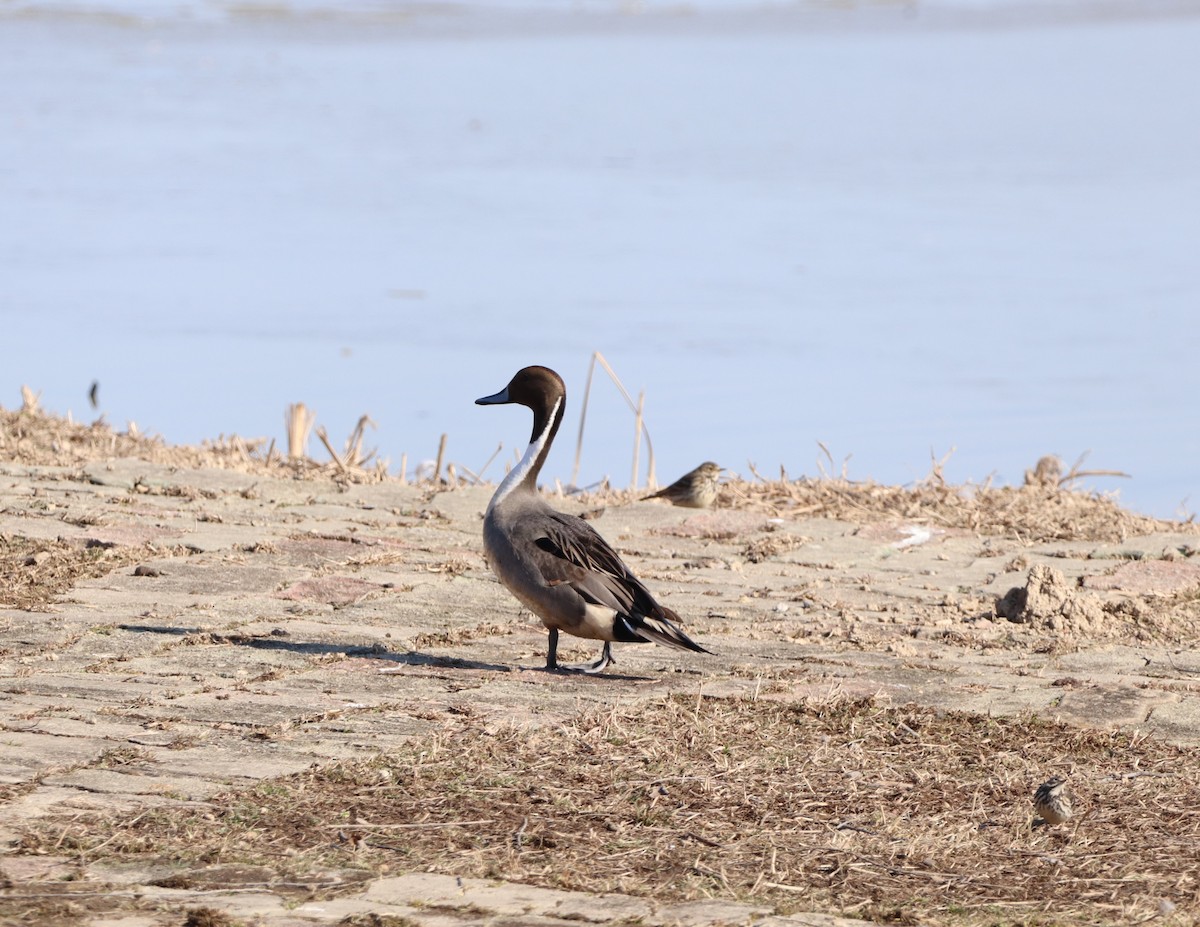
{"x": 553, "y": 666}
{"x": 605, "y": 660}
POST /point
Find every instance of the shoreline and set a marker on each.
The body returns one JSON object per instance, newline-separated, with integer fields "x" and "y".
{"x": 459, "y": 21}
{"x": 55, "y": 441}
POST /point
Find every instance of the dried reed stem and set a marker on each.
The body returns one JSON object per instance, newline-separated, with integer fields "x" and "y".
{"x": 1075, "y": 473}
{"x": 30, "y": 400}
{"x": 637, "y": 436}
{"x": 599, "y": 358}
{"x": 825, "y": 474}
{"x": 298, "y": 420}
{"x": 354, "y": 455}
{"x": 332, "y": 453}
{"x": 587, "y": 394}
{"x": 488, "y": 463}
{"x": 437, "y": 466}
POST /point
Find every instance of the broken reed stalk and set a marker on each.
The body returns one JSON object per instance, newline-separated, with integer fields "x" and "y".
{"x": 354, "y": 455}
{"x": 825, "y": 474}
{"x": 597, "y": 357}
{"x": 637, "y": 437}
{"x": 332, "y": 453}
{"x": 30, "y": 400}
{"x": 298, "y": 420}
{"x": 587, "y": 393}
{"x": 437, "y": 466}
{"x": 937, "y": 475}
{"x": 1075, "y": 473}
{"x": 488, "y": 462}
{"x": 404, "y": 469}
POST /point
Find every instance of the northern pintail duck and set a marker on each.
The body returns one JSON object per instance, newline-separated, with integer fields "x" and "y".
{"x": 557, "y": 565}
{"x": 696, "y": 489}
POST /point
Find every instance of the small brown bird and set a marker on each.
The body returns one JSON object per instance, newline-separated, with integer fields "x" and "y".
{"x": 696, "y": 489}
{"x": 1052, "y": 801}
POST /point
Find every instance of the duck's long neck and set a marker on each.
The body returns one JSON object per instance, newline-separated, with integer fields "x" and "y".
{"x": 525, "y": 473}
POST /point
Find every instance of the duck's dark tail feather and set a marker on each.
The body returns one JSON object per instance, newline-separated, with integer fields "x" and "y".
{"x": 657, "y": 631}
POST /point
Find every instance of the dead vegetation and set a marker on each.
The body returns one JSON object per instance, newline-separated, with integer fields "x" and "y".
{"x": 895, "y": 814}
{"x": 36, "y": 573}
{"x": 1050, "y": 506}
{"x": 29, "y": 436}
{"x": 1030, "y": 513}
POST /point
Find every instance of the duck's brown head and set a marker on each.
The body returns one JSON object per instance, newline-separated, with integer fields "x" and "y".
{"x": 538, "y": 388}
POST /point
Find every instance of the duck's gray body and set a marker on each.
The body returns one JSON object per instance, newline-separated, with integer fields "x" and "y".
{"x": 557, "y": 565}
{"x": 527, "y": 544}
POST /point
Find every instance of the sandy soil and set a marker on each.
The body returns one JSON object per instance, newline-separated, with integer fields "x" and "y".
{"x": 171, "y": 633}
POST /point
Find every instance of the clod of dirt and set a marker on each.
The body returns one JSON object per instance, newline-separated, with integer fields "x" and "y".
{"x": 1049, "y": 602}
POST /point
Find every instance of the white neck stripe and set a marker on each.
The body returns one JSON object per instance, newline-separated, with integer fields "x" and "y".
{"x": 521, "y": 470}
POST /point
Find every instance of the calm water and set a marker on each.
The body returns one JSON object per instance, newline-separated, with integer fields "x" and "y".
{"x": 895, "y": 234}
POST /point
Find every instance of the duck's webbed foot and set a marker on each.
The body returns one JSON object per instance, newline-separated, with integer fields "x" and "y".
{"x": 598, "y": 666}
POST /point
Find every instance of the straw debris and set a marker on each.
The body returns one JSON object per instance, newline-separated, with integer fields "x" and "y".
{"x": 839, "y": 804}
{"x": 35, "y": 573}
{"x": 1035, "y": 512}
{"x": 36, "y": 439}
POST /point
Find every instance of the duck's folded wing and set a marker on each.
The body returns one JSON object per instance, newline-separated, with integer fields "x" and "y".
{"x": 574, "y": 553}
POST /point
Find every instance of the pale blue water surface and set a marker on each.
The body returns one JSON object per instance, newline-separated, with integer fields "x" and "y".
{"x": 895, "y": 229}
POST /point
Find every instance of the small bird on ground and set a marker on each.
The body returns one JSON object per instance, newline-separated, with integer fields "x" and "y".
{"x": 696, "y": 489}
{"x": 557, "y": 565}
{"x": 1052, "y": 801}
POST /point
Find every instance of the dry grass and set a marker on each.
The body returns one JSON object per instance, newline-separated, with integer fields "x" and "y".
{"x": 1026, "y": 513}
{"x": 35, "y": 573}
{"x": 899, "y": 815}
{"x": 1029, "y": 514}
{"x": 1040, "y": 511}
{"x": 37, "y": 439}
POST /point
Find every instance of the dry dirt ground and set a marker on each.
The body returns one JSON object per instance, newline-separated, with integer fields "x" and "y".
{"x": 242, "y": 692}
